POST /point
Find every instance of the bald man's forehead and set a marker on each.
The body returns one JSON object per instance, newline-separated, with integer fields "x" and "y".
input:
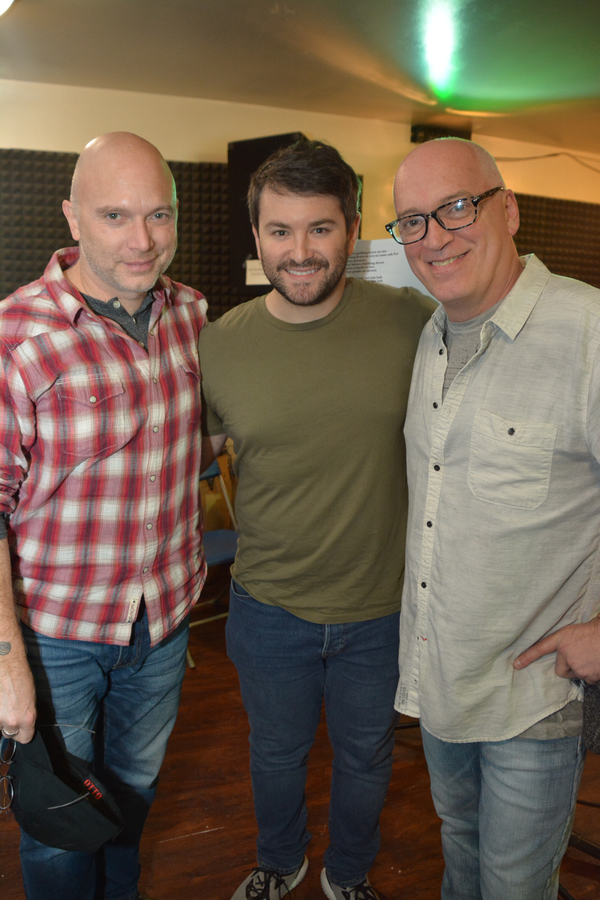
{"x": 438, "y": 175}
{"x": 452, "y": 157}
{"x": 113, "y": 177}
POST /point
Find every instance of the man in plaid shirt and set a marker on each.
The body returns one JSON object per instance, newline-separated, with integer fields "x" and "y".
{"x": 100, "y": 540}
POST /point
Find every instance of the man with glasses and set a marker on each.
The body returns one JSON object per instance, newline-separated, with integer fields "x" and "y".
{"x": 311, "y": 382}
{"x": 503, "y": 449}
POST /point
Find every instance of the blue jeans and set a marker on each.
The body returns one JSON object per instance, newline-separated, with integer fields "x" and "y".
{"x": 129, "y": 695}
{"x": 507, "y": 811}
{"x": 286, "y": 666}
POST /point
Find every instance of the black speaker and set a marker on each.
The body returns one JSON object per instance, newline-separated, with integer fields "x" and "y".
{"x": 419, "y": 134}
{"x": 244, "y": 158}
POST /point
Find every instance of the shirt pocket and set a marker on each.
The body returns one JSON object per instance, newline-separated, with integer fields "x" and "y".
{"x": 510, "y": 461}
{"x": 95, "y": 415}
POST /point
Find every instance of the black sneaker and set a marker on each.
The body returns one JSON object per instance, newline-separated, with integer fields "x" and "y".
{"x": 264, "y": 884}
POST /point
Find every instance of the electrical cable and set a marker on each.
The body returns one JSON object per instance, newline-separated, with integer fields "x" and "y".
{"x": 572, "y": 156}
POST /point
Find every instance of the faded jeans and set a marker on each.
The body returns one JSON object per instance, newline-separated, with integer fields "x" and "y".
{"x": 507, "y": 811}
{"x": 131, "y": 695}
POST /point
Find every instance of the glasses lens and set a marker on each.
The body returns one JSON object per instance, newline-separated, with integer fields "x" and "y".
{"x": 457, "y": 214}
{"x": 7, "y": 792}
{"x": 8, "y": 749}
{"x": 409, "y": 229}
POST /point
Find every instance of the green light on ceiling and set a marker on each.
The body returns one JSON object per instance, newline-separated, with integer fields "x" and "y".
{"x": 503, "y": 55}
{"x": 439, "y": 36}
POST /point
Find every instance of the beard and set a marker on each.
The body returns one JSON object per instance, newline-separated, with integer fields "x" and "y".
{"x": 307, "y": 295}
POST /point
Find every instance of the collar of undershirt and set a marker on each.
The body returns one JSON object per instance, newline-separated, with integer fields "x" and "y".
{"x": 472, "y": 324}
{"x": 111, "y": 311}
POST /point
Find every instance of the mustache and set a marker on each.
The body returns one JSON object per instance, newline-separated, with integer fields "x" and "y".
{"x": 312, "y": 263}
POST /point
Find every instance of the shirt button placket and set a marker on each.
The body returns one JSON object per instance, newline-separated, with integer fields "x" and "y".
{"x": 157, "y": 432}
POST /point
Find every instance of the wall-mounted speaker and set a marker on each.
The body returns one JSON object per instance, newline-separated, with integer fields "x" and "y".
{"x": 421, "y": 133}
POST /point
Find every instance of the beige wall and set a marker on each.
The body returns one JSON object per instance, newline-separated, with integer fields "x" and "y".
{"x": 62, "y": 118}
{"x": 560, "y": 176}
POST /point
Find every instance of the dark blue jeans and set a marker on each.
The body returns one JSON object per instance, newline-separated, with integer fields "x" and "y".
{"x": 132, "y": 694}
{"x": 286, "y": 667}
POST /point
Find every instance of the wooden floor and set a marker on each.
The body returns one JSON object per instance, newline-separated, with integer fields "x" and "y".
{"x": 199, "y": 840}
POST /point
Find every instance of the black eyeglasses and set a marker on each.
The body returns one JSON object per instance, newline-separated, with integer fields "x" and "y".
{"x": 410, "y": 229}
{"x": 7, "y": 755}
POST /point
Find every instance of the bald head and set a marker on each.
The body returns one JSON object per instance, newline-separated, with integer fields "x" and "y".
{"x": 113, "y": 151}
{"x": 471, "y": 268}
{"x": 123, "y": 212}
{"x": 449, "y": 154}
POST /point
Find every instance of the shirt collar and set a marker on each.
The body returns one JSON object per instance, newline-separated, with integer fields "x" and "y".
{"x": 68, "y": 297}
{"x": 512, "y": 314}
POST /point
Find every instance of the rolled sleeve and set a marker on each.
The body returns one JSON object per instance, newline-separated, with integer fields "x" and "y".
{"x": 17, "y": 432}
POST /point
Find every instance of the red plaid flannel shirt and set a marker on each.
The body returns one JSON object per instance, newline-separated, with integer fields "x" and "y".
{"x": 99, "y": 460}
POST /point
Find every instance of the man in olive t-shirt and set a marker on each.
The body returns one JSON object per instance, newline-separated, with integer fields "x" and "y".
{"x": 311, "y": 382}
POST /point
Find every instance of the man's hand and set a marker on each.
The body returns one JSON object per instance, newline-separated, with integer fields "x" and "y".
{"x": 577, "y": 650}
{"x": 17, "y": 693}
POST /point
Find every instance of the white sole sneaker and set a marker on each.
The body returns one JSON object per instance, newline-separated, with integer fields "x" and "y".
{"x": 364, "y": 890}
{"x": 275, "y": 891}
{"x": 327, "y": 889}
{"x": 301, "y": 873}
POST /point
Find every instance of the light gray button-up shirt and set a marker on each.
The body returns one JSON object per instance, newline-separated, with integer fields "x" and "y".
{"x": 504, "y": 520}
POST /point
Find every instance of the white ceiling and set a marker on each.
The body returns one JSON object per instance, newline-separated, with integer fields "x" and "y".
{"x": 351, "y": 57}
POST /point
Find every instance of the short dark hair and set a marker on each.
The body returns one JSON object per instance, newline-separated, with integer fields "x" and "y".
{"x": 309, "y": 168}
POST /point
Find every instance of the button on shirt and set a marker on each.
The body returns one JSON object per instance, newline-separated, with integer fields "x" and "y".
{"x": 136, "y": 326}
{"x": 99, "y": 460}
{"x": 504, "y": 523}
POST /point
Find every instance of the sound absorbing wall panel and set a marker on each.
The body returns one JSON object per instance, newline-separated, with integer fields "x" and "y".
{"x": 33, "y": 185}
{"x": 32, "y": 226}
{"x": 564, "y": 234}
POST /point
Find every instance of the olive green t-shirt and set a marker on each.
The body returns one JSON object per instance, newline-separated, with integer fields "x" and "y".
{"x": 316, "y": 412}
